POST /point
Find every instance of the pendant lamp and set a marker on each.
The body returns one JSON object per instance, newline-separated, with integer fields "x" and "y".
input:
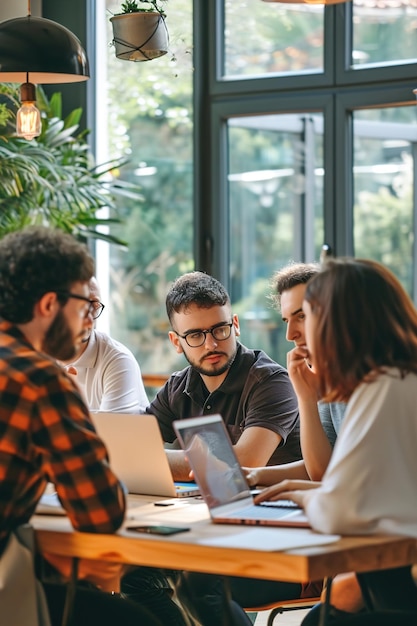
{"x": 41, "y": 48}
{"x": 35, "y": 50}
{"x": 28, "y": 117}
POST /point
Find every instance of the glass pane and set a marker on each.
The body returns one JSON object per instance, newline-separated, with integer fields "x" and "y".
{"x": 384, "y": 34}
{"x": 262, "y": 38}
{"x": 275, "y": 195}
{"x": 384, "y": 147}
{"x": 149, "y": 123}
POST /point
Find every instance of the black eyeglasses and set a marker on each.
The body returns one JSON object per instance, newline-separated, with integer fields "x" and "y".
{"x": 95, "y": 308}
{"x": 98, "y": 308}
{"x": 196, "y": 338}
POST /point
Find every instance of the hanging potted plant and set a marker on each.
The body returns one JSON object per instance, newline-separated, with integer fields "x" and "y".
{"x": 140, "y": 32}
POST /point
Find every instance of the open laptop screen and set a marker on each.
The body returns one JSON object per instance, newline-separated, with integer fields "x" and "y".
{"x": 137, "y": 454}
{"x": 209, "y": 450}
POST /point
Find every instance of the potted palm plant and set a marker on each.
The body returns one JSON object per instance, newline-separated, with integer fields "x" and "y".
{"x": 53, "y": 180}
{"x": 139, "y": 31}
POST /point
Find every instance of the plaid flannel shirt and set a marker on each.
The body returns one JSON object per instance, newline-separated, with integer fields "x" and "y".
{"x": 46, "y": 435}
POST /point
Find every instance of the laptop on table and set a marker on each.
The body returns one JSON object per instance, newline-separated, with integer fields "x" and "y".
{"x": 137, "y": 454}
{"x": 222, "y": 482}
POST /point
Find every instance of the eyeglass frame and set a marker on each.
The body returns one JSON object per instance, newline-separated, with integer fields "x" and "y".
{"x": 205, "y": 333}
{"x": 92, "y": 303}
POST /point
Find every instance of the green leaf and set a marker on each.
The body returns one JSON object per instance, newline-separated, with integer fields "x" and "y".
{"x": 55, "y": 105}
{"x": 73, "y": 119}
{"x": 54, "y": 180}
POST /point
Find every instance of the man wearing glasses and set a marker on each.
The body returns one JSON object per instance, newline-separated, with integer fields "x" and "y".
{"x": 106, "y": 371}
{"x": 46, "y": 430}
{"x": 252, "y": 393}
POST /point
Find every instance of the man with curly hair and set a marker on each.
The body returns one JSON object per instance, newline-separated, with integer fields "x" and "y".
{"x": 45, "y": 429}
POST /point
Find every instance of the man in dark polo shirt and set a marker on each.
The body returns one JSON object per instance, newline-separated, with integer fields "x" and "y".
{"x": 251, "y": 392}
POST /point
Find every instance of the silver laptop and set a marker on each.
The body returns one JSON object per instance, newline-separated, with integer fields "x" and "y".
{"x": 221, "y": 480}
{"x": 137, "y": 454}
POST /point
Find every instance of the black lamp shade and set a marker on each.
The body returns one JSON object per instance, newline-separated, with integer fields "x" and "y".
{"x": 40, "y": 51}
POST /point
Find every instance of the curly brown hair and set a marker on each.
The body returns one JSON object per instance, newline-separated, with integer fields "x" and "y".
{"x": 34, "y": 261}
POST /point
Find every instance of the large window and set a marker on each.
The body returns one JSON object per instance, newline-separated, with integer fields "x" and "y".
{"x": 385, "y": 148}
{"x": 275, "y": 188}
{"x": 385, "y": 33}
{"x": 271, "y": 130}
{"x": 147, "y": 119}
{"x": 272, "y": 39}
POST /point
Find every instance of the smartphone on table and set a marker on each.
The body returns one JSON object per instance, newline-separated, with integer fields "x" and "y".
{"x": 153, "y": 529}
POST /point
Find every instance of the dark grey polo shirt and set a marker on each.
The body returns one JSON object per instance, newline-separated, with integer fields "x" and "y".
{"x": 256, "y": 392}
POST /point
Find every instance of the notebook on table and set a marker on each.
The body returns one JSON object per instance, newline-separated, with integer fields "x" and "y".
{"x": 222, "y": 482}
{"x": 137, "y": 454}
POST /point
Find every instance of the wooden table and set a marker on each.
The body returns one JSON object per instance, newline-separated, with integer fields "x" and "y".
{"x": 190, "y": 550}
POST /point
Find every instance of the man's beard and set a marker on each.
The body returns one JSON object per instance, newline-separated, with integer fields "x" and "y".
{"x": 212, "y": 372}
{"x": 59, "y": 341}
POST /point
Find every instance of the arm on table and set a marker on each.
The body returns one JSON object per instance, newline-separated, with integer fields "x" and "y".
{"x": 256, "y": 446}
{"x": 179, "y": 466}
{"x": 266, "y": 476}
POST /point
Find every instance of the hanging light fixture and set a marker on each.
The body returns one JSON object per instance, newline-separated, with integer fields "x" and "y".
{"x": 28, "y": 117}
{"x": 35, "y": 50}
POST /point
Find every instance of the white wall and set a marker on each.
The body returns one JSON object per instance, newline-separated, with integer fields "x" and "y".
{"x": 18, "y": 8}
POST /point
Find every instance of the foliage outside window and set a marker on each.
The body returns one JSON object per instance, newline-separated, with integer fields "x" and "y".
{"x": 384, "y": 144}
{"x": 269, "y": 54}
{"x": 384, "y": 33}
{"x": 150, "y": 125}
{"x": 262, "y": 38}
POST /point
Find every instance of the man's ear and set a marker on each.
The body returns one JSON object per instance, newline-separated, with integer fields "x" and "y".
{"x": 236, "y": 326}
{"x": 175, "y": 340}
{"x": 48, "y": 304}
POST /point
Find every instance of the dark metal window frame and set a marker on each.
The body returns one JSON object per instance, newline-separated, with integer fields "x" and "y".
{"x": 336, "y": 92}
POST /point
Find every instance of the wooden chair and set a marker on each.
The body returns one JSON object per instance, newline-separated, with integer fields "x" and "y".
{"x": 277, "y": 608}
{"x": 154, "y": 380}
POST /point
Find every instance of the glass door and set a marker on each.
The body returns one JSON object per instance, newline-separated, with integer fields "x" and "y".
{"x": 275, "y": 182}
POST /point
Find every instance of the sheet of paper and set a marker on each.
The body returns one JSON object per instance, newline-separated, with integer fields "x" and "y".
{"x": 175, "y": 510}
{"x": 49, "y": 505}
{"x": 268, "y": 539}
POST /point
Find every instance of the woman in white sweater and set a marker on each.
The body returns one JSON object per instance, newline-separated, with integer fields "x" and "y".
{"x": 361, "y": 336}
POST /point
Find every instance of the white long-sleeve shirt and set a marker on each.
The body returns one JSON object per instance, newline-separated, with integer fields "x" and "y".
{"x": 370, "y": 485}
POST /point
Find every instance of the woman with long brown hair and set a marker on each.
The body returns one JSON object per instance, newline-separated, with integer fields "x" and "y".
{"x": 361, "y": 336}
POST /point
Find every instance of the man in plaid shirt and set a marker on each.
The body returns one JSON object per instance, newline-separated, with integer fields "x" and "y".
{"x": 45, "y": 429}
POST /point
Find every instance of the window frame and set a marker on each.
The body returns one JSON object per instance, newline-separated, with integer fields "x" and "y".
{"x": 338, "y": 91}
